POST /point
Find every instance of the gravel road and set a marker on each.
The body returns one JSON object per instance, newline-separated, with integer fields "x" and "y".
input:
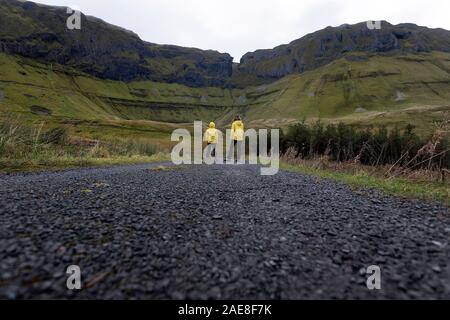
{"x": 214, "y": 232}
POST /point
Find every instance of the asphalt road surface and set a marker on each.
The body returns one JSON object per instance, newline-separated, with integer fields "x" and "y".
{"x": 215, "y": 232}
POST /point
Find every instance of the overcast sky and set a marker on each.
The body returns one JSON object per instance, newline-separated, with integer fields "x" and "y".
{"x": 240, "y": 26}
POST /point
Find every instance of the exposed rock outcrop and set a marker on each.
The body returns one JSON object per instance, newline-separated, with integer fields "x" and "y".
{"x": 322, "y": 47}
{"x": 110, "y": 52}
{"x": 103, "y": 50}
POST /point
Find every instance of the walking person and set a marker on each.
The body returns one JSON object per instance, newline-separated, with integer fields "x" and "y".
{"x": 211, "y": 137}
{"x": 237, "y": 136}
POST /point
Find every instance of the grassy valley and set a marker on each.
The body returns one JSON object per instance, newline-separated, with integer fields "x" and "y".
{"x": 377, "y": 90}
{"x": 103, "y": 109}
{"x": 360, "y": 90}
{"x": 122, "y": 96}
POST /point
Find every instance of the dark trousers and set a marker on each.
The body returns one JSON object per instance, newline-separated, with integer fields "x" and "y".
{"x": 236, "y": 146}
{"x": 213, "y": 153}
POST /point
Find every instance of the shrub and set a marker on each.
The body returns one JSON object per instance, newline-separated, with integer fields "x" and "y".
{"x": 372, "y": 146}
{"x": 54, "y": 136}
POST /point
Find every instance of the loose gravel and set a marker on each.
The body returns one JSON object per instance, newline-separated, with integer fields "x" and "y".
{"x": 215, "y": 232}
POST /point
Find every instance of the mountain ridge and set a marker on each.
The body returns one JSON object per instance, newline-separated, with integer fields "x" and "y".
{"x": 104, "y": 50}
{"x": 106, "y": 82}
{"x": 324, "y": 46}
{"x": 110, "y": 52}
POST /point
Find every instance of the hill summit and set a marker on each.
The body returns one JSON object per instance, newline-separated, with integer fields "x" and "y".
{"x": 108, "y": 52}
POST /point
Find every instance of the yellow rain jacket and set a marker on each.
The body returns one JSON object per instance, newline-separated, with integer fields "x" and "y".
{"x": 211, "y": 135}
{"x": 237, "y": 130}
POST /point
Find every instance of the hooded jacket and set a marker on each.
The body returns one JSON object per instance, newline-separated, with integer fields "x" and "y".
{"x": 211, "y": 135}
{"x": 237, "y": 130}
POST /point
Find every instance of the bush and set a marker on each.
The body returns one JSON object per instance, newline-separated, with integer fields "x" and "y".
{"x": 54, "y": 136}
{"x": 373, "y": 146}
{"x": 133, "y": 147}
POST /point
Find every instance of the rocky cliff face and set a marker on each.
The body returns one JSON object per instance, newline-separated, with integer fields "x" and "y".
{"x": 103, "y": 50}
{"x": 322, "y": 47}
{"x": 109, "y": 52}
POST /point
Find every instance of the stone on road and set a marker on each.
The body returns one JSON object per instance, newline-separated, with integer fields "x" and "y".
{"x": 215, "y": 232}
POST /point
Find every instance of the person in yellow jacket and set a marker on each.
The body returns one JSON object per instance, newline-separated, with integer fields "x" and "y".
{"x": 237, "y": 137}
{"x": 237, "y": 130}
{"x": 211, "y": 137}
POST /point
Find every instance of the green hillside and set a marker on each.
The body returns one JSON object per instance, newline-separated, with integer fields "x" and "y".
{"x": 97, "y": 108}
{"x": 104, "y": 82}
{"x": 361, "y": 89}
{"x": 358, "y": 88}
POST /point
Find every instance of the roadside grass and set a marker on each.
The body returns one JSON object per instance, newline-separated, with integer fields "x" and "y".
{"x": 73, "y": 162}
{"x": 163, "y": 168}
{"x": 25, "y": 148}
{"x": 433, "y": 191}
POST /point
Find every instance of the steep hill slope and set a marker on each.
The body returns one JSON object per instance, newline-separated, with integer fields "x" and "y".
{"x": 68, "y": 93}
{"x": 324, "y": 46}
{"x": 106, "y": 81}
{"x": 103, "y": 50}
{"x": 110, "y": 52}
{"x": 389, "y": 90}
{"x": 361, "y": 89}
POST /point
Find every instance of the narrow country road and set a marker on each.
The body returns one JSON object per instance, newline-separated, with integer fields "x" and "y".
{"x": 219, "y": 232}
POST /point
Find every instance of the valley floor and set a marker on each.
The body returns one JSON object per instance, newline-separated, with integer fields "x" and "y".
{"x": 215, "y": 232}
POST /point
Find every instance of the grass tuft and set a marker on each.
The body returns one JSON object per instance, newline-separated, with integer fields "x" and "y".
{"x": 25, "y": 148}
{"x": 365, "y": 178}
